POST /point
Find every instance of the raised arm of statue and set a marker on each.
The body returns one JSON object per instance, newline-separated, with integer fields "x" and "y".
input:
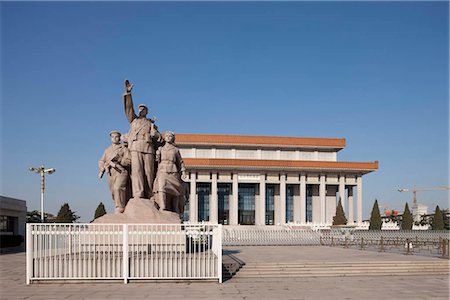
{"x": 128, "y": 102}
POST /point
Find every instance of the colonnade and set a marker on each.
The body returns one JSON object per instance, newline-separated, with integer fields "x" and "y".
{"x": 324, "y": 196}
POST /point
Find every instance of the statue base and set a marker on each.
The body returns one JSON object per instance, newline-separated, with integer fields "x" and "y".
{"x": 139, "y": 210}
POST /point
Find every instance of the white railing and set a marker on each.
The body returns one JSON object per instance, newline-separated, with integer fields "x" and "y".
{"x": 391, "y": 225}
{"x": 268, "y": 235}
{"x": 123, "y": 251}
{"x": 376, "y": 235}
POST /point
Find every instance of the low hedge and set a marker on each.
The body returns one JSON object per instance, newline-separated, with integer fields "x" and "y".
{"x": 10, "y": 241}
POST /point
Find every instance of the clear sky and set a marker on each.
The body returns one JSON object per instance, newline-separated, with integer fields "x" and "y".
{"x": 375, "y": 73}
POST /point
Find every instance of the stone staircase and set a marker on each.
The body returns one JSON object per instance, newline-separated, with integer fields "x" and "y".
{"x": 230, "y": 266}
{"x": 341, "y": 269}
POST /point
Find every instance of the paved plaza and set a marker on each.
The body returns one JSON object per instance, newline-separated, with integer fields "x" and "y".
{"x": 357, "y": 287}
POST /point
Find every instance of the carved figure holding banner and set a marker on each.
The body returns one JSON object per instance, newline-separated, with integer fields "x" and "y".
{"x": 141, "y": 138}
{"x": 169, "y": 189}
{"x": 116, "y": 161}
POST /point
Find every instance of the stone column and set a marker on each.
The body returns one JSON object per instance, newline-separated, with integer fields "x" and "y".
{"x": 342, "y": 192}
{"x": 213, "y": 205}
{"x": 302, "y": 199}
{"x": 233, "y": 205}
{"x": 260, "y": 207}
{"x": 322, "y": 196}
{"x": 282, "y": 206}
{"x": 330, "y": 203}
{"x": 359, "y": 199}
{"x": 350, "y": 219}
{"x": 193, "y": 200}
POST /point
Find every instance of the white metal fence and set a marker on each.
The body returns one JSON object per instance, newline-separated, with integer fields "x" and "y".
{"x": 416, "y": 235}
{"x": 123, "y": 251}
{"x": 269, "y": 235}
{"x": 429, "y": 242}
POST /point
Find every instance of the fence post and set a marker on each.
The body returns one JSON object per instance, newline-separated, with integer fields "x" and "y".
{"x": 29, "y": 252}
{"x": 381, "y": 245}
{"x": 332, "y": 241}
{"x": 346, "y": 242}
{"x": 408, "y": 247}
{"x": 362, "y": 244}
{"x": 444, "y": 252}
{"x": 448, "y": 248}
{"x": 125, "y": 253}
{"x": 219, "y": 253}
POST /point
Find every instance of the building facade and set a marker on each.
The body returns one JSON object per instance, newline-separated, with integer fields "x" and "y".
{"x": 12, "y": 216}
{"x": 264, "y": 180}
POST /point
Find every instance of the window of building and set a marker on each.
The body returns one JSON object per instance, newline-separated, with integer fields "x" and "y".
{"x": 309, "y": 208}
{"x": 203, "y": 193}
{"x": 246, "y": 204}
{"x": 8, "y": 224}
{"x": 223, "y": 193}
{"x": 270, "y": 204}
{"x": 290, "y": 203}
{"x": 186, "y": 215}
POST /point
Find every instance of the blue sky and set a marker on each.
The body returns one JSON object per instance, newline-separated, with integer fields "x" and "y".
{"x": 375, "y": 73}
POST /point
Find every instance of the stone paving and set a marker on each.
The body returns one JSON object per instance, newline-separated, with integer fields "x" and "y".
{"x": 12, "y": 283}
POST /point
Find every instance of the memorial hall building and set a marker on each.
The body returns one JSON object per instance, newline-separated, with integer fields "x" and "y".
{"x": 270, "y": 180}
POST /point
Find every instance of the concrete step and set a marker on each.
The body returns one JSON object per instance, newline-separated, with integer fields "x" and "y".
{"x": 344, "y": 267}
{"x": 310, "y": 271}
{"x": 364, "y": 263}
{"x": 313, "y": 269}
{"x": 243, "y": 271}
{"x": 237, "y": 276}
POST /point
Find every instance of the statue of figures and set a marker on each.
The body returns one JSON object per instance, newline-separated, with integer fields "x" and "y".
{"x": 141, "y": 137}
{"x": 116, "y": 161}
{"x": 169, "y": 189}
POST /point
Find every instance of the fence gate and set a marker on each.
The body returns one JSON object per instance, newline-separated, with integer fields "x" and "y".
{"x": 123, "y": 251}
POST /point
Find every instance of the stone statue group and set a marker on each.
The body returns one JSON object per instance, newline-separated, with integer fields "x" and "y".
{"x": 134, "y": 169}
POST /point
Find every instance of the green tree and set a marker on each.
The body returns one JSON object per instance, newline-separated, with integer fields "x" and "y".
{"x": 35, "y": 217}
{"x": 100, "y": 211}
{"x": 375, "y": 217}
{"x": 66, "y": 215}
{"x": 438, "y": 220}
{"x": 445, "y": 215}
{"x": 339, "y": 218}
{"x": 407, "y": 219}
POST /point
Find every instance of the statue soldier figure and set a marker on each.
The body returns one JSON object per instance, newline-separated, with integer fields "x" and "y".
{"x": 116, "y": 161}
{"x": 169, "y": 189}
{"x": 143, "y": 133}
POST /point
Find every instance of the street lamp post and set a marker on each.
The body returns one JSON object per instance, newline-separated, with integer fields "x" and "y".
{"x": 42, "y": 170}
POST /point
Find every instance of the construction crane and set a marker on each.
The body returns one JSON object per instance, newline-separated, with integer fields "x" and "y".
{"x": 414, "y": 190}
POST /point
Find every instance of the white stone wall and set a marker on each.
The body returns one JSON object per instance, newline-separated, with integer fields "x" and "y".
{"x": 272, "y": 154}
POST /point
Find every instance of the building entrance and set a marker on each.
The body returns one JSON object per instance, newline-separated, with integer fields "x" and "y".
{"x": 223, "y": 194}
{"x": 203, "y": 192}
{"x": 246, "y": 204}
{"x": 270, "y": 204}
